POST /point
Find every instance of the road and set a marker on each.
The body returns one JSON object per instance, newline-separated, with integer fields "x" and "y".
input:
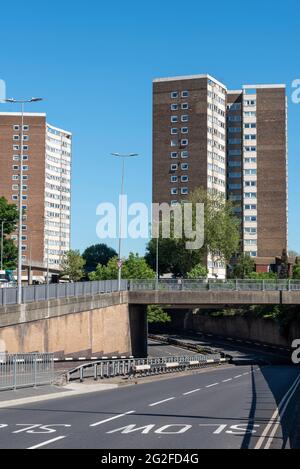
{"x": 231, "y": 407}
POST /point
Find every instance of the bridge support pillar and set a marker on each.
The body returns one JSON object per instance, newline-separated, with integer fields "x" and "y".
{"x": 138, "y": 323}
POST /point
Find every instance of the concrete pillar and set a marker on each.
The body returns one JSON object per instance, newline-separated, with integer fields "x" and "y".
{"x": 138, "y": 323}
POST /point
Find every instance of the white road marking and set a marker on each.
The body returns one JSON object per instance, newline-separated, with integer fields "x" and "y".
{"x": 211, "y": 385}
{"x": 191, "y": 392}
{"x": 48, "y": 442}
{"x": 161, "y": 402}
{"x": 238, "y": 376}
{"x": 226, "y": 380}
{"x": 112, "y": 418}
{"x": 277, "y": 416}
{"x": 245, "y": 374}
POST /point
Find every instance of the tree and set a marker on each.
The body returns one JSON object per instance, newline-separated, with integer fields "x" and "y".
{"x": 156, "y": 315}
{"x": 221, "y": 237}
{"x": 244, "y": 267}
{"x": 135, "y": 267}
{"x": 8, "y": 214}
{"x": 199, "y": 271}
{"x": 263, "y": 276}
{"x": 296, "y": 269}
{"x": 97, "y": 254}
{"x": 294, "y": 254}
{"x": 284, "y": 266}
{"x": 73, "y": 265}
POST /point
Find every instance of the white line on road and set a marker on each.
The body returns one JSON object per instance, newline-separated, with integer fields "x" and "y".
{"x": 238, "y": 376}
{"x": 191, "y": 392}
{"x": 277, "y": 416}
{"x": 211, "y": 385}
{"x": 47, "y": 442}
{"x": 161, "y": 402}
{"x": 111, "y": 418}
{"x": 226, "y": 380}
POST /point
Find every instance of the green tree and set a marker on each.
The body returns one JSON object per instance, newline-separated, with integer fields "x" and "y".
{"x": 296, "y": 269}
{"x": 263, "y": 276}
{"x": 135, "y": 267}
{"x": 221, "y": 237}
{"x": 73, "y": 266}
{"x": 9, "y": 215}
{"x": 156, "y": 315}
{"x": 97, "y": 254}
{"x": 244, "y": 267}
{"x": 284, "y": 266}
{"x": 199, "y": 271}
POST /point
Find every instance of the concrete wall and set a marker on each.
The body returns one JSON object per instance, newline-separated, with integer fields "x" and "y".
{"x": 86, "y": 327}
{"x": 261, "y": 330}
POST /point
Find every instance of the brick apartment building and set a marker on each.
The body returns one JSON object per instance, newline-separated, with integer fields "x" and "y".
{"x": 232, "y": 142}
{"x": 46, "y": 184}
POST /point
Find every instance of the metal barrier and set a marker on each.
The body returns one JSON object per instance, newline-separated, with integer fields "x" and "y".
{"x": 142, "y": 367}
{"x": 30, "y": 294}
{"x": 26, "y": 370}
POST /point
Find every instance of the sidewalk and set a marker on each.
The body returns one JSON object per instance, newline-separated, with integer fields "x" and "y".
{"x": 45, "y": 393}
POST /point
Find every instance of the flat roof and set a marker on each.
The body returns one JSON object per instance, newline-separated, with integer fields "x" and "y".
{"x": 189, "y": 77}
{"x": 26, "y": 114}
{"x": 247, "y": 87}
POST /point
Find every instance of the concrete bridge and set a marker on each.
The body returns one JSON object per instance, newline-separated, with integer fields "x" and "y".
{"x": 92, "y": 319}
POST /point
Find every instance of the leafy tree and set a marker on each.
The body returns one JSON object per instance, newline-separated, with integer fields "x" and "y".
{"x": 296, "y": 269}
{"x": 97, "y": 254}
{"x": 284, "y": 266}
{"x": 244, "y": 267}
{"x": 135, "y": 267}
{"x": 8, "y": 214}
{"x": 73, "y": 265}
{"x": 199, "y": 271}
{"x": 294, "y": 254}
{"x": 156, "y": 315}
{"x": 221, "y": 237}
{"x": 263, "y": 276}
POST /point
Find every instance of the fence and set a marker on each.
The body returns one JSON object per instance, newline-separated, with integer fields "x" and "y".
{"x": 26, "y": 370}
{"x": 105, "y": 369}
{"x": 30, "y": 294}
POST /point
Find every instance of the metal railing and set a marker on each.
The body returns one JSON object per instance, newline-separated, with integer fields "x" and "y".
{"x": 214, "y": 285}
{"x": 30, "y": 294}
{"x": 26, "y": 370}
{"x": 106, "y": 369}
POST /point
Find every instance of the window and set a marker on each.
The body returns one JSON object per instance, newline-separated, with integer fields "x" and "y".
{"x": 185, "y": 94}
{"x": 234, "y": 175}
{"x": 174, "y": 131}
{"x": 250, "y": 160}
{"x": 174, "y": 179}
{"x": 24, "y": 248}
{"x": 184, "y": 166}
{"x": 25, "y": 147}
{"x": 174, "y": 94}
{"x": 234, "y": 118}
{"x": 234, "y": 164}
{"x": 25, "y": 138}
{"x": 250, "y": 114}
{"x": 234, "y": 141}
{"x": 234, "y": 152}
{"x": 184, "y": 130}
{"x": 25, "y": 157}
{"x": 174, "y": 191}
{"x": 16, "y": 127}
{"x": 184, "y": 178}
{"x": 15, "y": 177}
{"x": 234, "y": 106}
{"x": 250, "y": 183}
{"x": 25, "y": 168}
{"x": 174, "y": 167}
{"x": 234, "y": 130}
{"x": 174, "y": 202}
{"x": 174, "y": 143}
{"x": 250, "y": 126}
{"x": 25, "y": 128}
{"x": 16, "y": 158}
{"x": 250, "y": 207}
{"x": 234, "y": 186}
{"x": 253, "y": 254}
{"x": 184, "y": 154}
{"x": 250, "y": 172}
{"x": 24, "y": 238}
{"x": 250, "y": 149}
{"x": 184, "y": 106}
{"x": 250, "y": 102}
{"x": 184, "y": 142}
{"x": 184, "y": 190}
{"x": 174, "y": 154}
{"x": 184, "y": 118}
{"x": 16, "y": 138}
{"x": 15, "y": 167}
{"x": 174, "y": 118}
{"x": 15, "y": 187}
{"x": 250, "y": 137}
{"x": 250, "y": 195}
{"x": 14, "y": 197}
{"x": 16, "y": 147}
{"x": 250, "y": 242}
{"x": 24, "y": 188}
{"x": 251, "y": 218}
{"x": 24, "y": 197}
{"x": 251, "y": 231}
{"x": 174, "y": 107}
{"x": 25, "y": 177}
{"x": 24, "y": 227}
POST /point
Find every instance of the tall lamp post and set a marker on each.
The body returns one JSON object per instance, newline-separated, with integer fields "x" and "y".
{"x": 123, "y": 157}
{"x": 22, "y": 102}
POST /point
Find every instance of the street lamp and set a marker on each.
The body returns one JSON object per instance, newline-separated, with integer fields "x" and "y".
{"x": 123, "y": 157}
{"x": 22, "y": 102}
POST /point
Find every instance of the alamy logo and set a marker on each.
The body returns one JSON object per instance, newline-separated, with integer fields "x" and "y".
{"x": 296, "y": 93}
{"x": 296, "y": 353}
{"x": 178, "y": 221}
{"x": 2, "y": 91}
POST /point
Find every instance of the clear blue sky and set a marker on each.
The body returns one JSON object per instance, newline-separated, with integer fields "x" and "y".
{"x": 94, "y": 62}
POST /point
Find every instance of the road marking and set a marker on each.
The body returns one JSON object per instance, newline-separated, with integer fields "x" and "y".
{"x": 112, "y": 418}
{"x": 211, "y": 385}
{"x": 245, "y": 374}
{"x": 226, "y": 380}
{"x": 191, "y": 392}
{"x": 277, "y": 416}
{"x": 161, "y": 402}
{"x": 48, "y": 442}
{"x": 238, "y": 376}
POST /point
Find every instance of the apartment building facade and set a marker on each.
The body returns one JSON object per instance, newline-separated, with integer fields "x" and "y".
{"x": 232, "y": 142}
{"x": 46, "y": 185}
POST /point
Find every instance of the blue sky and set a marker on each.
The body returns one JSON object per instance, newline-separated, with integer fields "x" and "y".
{"x": 94, "y": 62}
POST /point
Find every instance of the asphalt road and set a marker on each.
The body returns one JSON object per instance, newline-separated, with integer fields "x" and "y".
{"x": 230, "y": 407}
